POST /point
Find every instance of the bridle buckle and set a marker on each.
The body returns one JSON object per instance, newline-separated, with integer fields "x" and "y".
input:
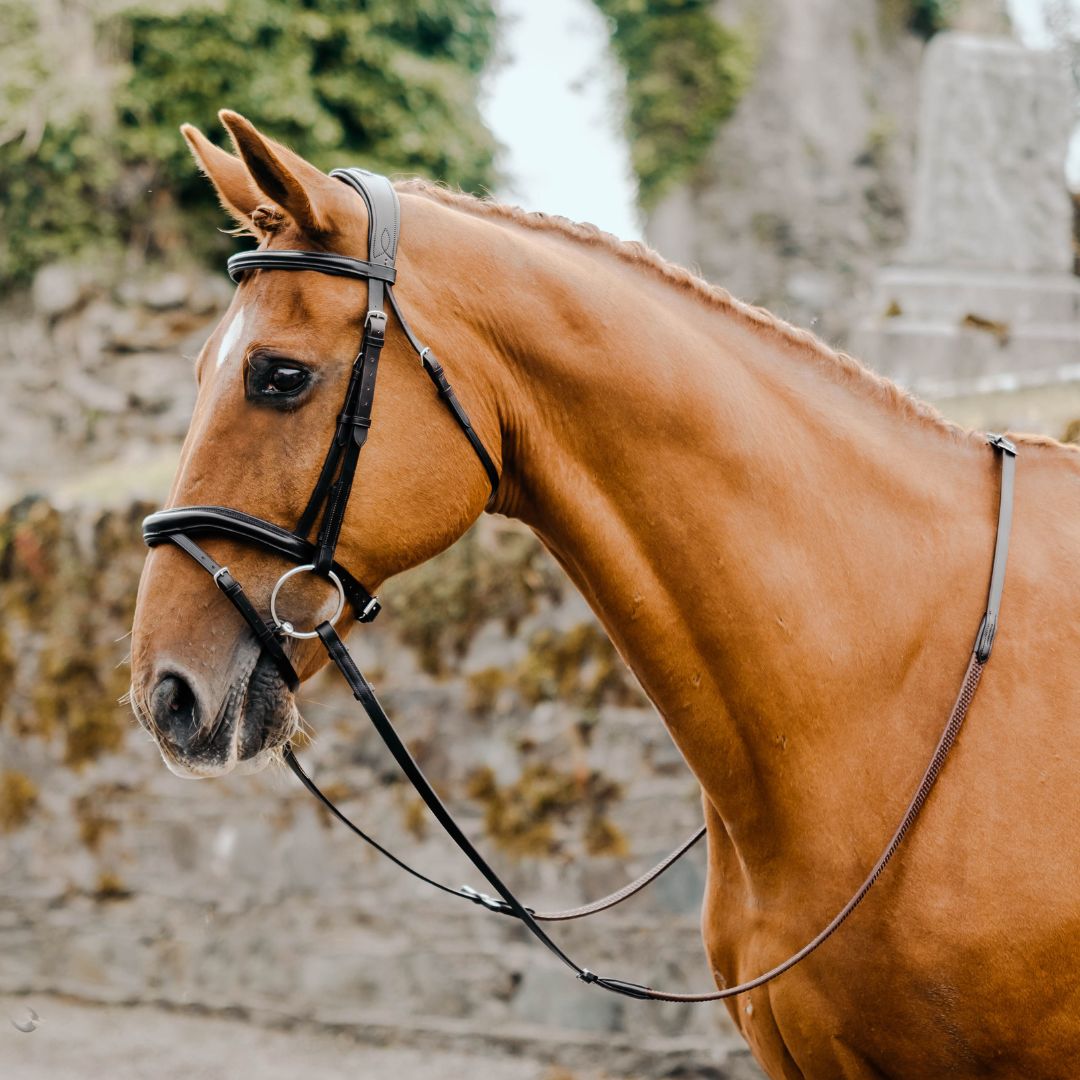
{"x": 492, "y": 903}
{"x": 375, "y": 325}
{"x": 368, "y": 612}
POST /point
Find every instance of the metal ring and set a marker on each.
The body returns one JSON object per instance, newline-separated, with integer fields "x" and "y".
{"x": 287, "y": 627}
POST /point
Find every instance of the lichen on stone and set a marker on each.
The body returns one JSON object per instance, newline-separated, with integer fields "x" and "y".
{"x": 66, "y": 595}
{"x": 80, "y": 701}
{"x": 604, "y": 837}
{"x": 484, "y": 687}
{"x": 579, "y": 666}
{"x": 90, "y": 811}
{"x": 18, "y": 797}
{"x": 7, "y": 668}
{"x": 494, "y": 572}
{"x": 110, "y": 886}
{"x": 416, "y": 817}
{"x": 521, "y": 817}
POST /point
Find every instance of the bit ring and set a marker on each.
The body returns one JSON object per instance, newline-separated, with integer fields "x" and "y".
{"x": 287, "y": 628}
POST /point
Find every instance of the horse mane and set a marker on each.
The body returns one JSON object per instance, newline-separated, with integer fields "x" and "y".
{"x": 637, "y": 254}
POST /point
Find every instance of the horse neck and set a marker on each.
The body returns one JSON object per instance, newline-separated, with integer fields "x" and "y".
{"x": 791, "y": 560}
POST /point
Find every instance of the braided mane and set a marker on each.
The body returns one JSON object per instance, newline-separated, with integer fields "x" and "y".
{"x": 642, "y": 256}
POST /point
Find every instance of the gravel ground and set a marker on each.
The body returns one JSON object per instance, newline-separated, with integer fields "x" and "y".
{"x": 77, "y": 1042}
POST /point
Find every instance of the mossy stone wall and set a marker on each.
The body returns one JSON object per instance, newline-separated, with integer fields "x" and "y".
{"x": 92, "y": 95}
{"x": 119, "y": 881}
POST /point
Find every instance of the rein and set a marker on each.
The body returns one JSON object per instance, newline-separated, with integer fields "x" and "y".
{"x": 325, "y": 513}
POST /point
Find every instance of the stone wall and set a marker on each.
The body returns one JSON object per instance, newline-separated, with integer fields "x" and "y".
{"x": 982, "y": 297}
{"x": 121, "y": 883}
{"x": 806, "y": 187}
{"x": 100, "y": 375}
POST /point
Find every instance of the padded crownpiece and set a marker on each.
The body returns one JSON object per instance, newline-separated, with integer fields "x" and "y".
{"x": 384, "y": 212}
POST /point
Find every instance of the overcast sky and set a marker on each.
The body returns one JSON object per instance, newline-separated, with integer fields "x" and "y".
{"x": 553, "y": 102}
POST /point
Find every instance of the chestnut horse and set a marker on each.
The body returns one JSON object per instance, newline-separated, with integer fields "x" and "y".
{"x": 790, "y": 553}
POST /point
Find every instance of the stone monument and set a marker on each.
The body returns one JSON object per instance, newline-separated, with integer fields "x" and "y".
{"x": 983, "y": 297}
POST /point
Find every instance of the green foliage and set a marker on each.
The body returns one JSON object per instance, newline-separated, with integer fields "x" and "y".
{"x": 927, "y": 17}
{"x": 390, "y": 84}
{"x": 57, "y": 199}
{"x": 685, "y": 72}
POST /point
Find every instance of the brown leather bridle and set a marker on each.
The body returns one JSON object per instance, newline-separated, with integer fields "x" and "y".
{"x": 326, "y": 507}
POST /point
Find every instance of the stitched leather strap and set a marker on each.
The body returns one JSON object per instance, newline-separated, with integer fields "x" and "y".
{"x": 510, "y": 905}
{"x": 384, "y": 213}
{"x": 435, "y": 372}
{"x": 265, "y": 634}
{"x": 628, "y": 890}
{"x": 984, "y": 641}
{"x": 364, "y": 694}
{"x": 332, "y": 495}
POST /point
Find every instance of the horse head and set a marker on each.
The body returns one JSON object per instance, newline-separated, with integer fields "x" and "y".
{"x": 271, "y": 381}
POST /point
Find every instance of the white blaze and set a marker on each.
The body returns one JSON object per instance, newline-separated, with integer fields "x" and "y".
{"x": 230, "y": 337}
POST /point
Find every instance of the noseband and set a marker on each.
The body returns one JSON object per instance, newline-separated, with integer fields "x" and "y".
{"x": 316, "y": 555}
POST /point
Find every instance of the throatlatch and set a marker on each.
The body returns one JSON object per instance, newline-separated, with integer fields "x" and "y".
{"x": 325, "y": 515}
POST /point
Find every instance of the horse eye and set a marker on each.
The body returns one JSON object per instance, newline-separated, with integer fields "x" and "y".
{"x": 277, "y": 381}
{"x": 284, "y": 380}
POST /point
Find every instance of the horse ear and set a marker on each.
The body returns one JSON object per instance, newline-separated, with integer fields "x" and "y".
{"x": 238, "y": 194}
{"x": 283, "y": 175}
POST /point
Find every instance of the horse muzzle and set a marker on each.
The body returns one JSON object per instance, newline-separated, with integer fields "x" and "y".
{"x": 199, "y": 737}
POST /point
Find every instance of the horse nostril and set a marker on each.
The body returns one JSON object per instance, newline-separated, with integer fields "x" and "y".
{"x": 175, "y": 710}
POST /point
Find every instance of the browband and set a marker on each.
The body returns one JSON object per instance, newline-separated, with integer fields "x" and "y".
{"x": 322, "y": 262}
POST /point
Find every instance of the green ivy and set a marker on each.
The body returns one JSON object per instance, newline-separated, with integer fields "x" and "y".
{"x": 927, "y": 17}
{"x": 685, "y": 73}
{"x": 57, "y": 200}
{"x": 390, "y": 84}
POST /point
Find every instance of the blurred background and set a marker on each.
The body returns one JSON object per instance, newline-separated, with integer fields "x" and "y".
{"x": 895, "y": 174}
